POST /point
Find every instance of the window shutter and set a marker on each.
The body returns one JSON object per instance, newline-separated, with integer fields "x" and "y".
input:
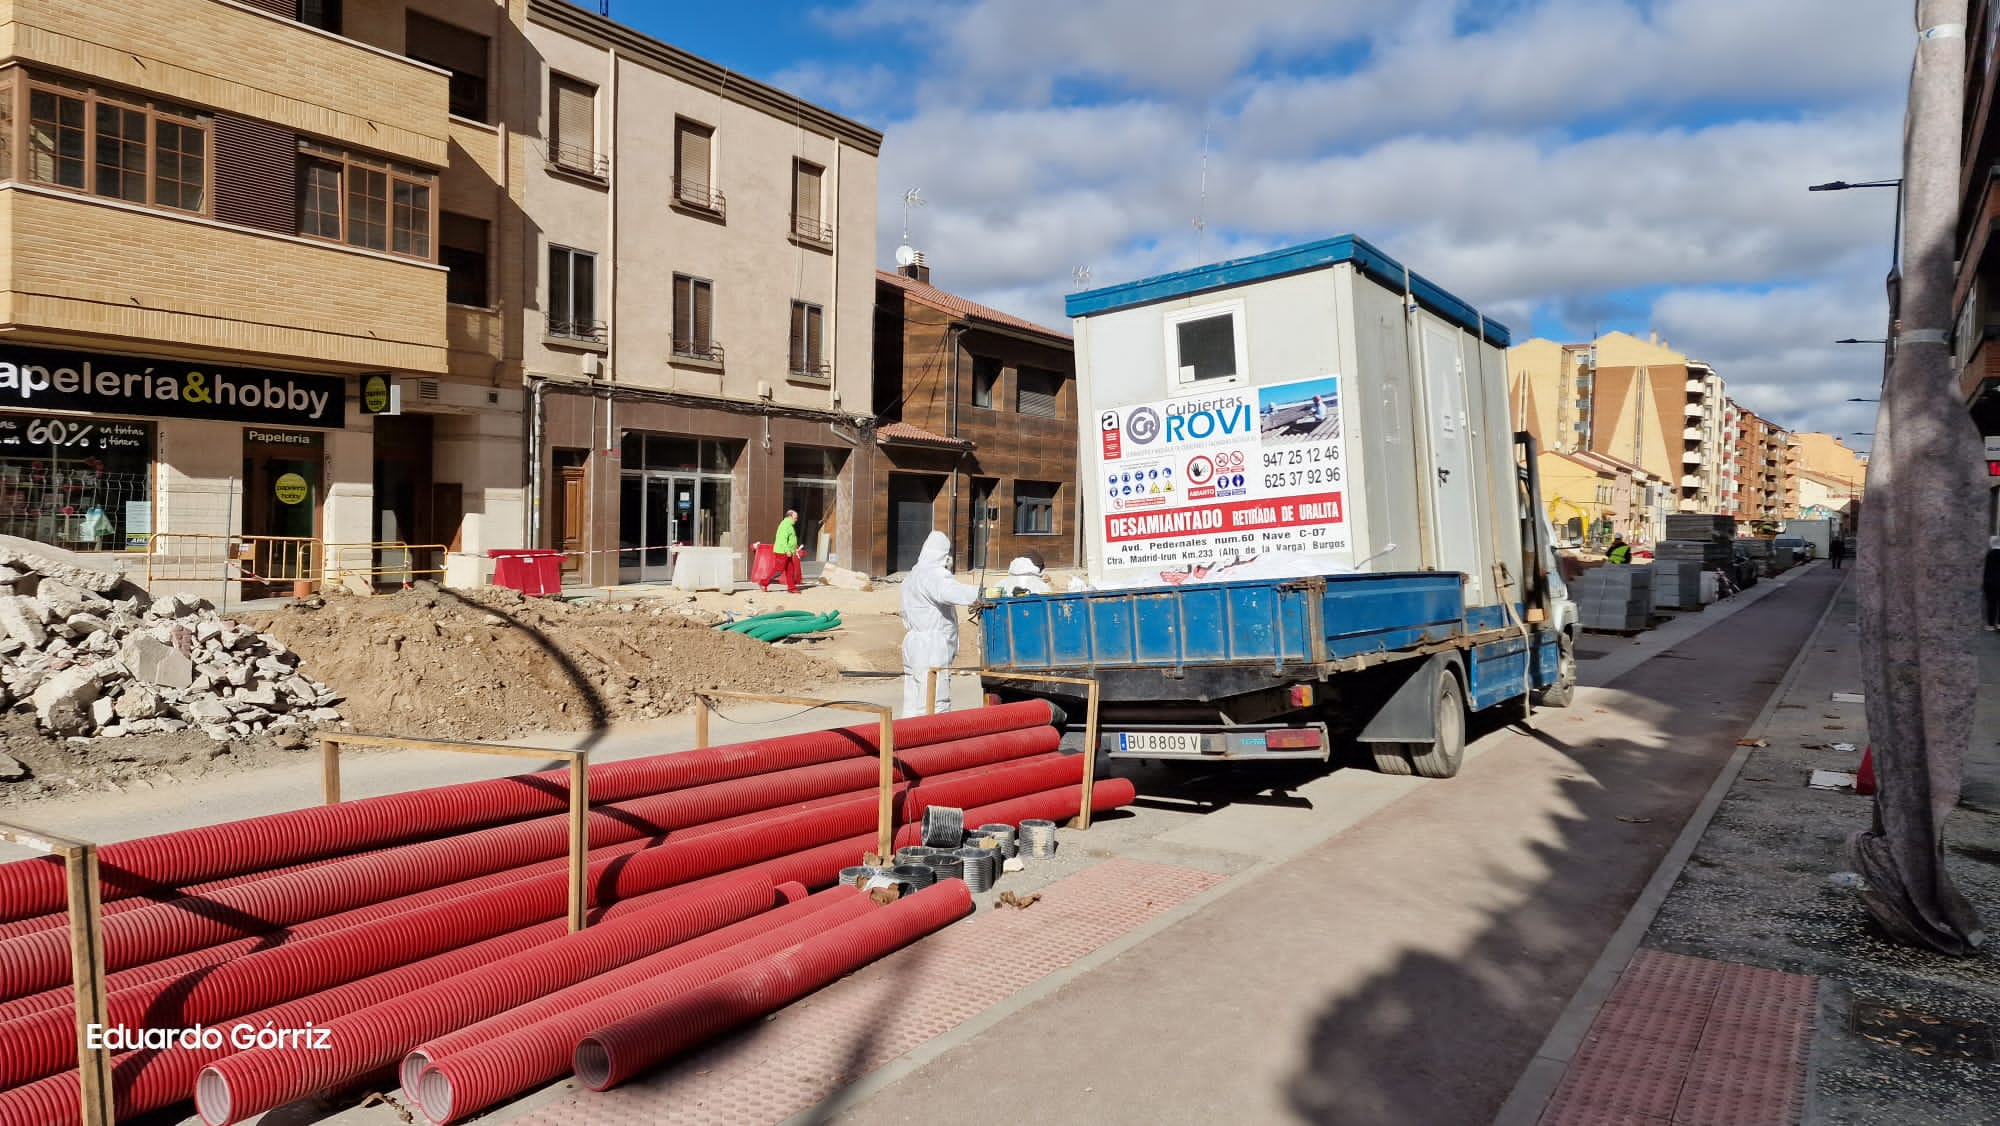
{"x": 575, "y": 125}
{"x": 445, "y": 45}
{"x": 798, "y": 356}
{"x": 559, "y": 305}
{"x": 806, "y": 193}
{"x": 1037, "y": 391}
{"x": 814, "y": 357}
{"x": 683, "y": 314}
{"x": 693, "y": 157}
{"x": 256, "y": 174}
{"x": 703, "y": 299}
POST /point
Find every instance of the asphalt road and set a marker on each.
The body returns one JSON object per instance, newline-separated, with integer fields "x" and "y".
{"x": 1402, "y": 969}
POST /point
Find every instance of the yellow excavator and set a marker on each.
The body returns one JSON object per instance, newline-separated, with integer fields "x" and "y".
{"x": 1556, "y": 521}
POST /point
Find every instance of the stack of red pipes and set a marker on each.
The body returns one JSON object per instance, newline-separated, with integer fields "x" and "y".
{"x": 259, "y": 961}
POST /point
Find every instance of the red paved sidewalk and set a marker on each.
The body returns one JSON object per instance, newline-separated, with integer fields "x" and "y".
{"x": 812, "y": 1049}
{"x": 1692, "y": 1042}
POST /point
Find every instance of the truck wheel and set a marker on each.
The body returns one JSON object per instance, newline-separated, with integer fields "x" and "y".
{"x": 1563, "y": 692}
{"x": 1431, "y": 760}
{"x": 1442, "y": 758}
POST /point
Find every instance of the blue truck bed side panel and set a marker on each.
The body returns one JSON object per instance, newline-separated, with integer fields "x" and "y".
{"x": 1256, "y": 622}
{"x": 1496, "y": 671}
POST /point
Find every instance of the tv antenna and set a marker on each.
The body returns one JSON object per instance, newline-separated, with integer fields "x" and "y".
{"x": 912, "y": 198}
{"x": 1201, "y": 207}
{"x": 1081, "y": 276}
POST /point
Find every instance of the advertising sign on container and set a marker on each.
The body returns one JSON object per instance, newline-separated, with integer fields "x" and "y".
{"x": 1196, "y": 486}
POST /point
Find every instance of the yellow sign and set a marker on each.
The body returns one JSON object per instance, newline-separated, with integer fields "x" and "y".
{"x": 292, "y": 489}
{"x": 374, "y": 393}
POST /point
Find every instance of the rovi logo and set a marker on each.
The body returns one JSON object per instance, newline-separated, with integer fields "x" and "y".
{"x": 1208, "y": 418}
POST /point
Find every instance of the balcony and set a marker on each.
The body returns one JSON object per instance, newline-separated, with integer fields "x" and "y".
{"x": 1697, "y": 386}
{"x": 810, "y": 230}
{"x": 582, "y": 332}
{"x": 1690, "y": 481}
{"x": 1693, "y": 457}
{"x": 817, "y": 374}
{"x": 238, "y": 60}
{"x": 700, "y": 197}
{"x": 698, "y": 351}
{"x": 1693, "y": 434}
{"x": 187, "y": 282}
{"x": 1694, "y": 410}
{"x": 579, "y": 160}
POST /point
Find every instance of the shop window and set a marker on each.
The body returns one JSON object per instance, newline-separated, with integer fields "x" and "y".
{"x": 76, "y": 484}
{"x": 807, "y": 353}
{"x": 364, "y": 201}
{"x": 694, "y": 319}
{"x": 457, "y": 50}
{"x": 573, "y": 295}
{"x": 985, "y": 377}
{"x": 641, "y": 450}
{"x": 462, "y": 250}
{"x": 113, "y": 144}
{"x": 1034, "y": 508}
{"x": 812, "y": 489}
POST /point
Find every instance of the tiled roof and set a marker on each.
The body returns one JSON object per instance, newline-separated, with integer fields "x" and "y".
{"x": 903, "y": 434}
{"x": 958, "y": 306}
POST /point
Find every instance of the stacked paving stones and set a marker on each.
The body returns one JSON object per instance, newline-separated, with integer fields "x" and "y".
{"x": 91, "y": 655}
{"x": 1676, "y": 584}
{"x": 1615, "y": 597}
{"x": 1699, "y": 538}
{"x": 1770, "y": 563}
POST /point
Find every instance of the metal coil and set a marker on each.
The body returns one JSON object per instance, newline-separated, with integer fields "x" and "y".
{"x": 916, "y": 877}
{"x": 1038, "y": 839}
{"x": 981, "y": 865}
{"x": 944, "y": 826}
{"x": 948, "y": 865}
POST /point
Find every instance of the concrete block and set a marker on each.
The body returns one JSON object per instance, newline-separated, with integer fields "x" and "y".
{"x": 845, "y": 579}
{"x": 209, "y": 711}
{"x": 138, "y": 702}
{"x": 102, "y": 712}
{"x": 62, "y": 599}
{"x": 157, "y": 663}
{"x": 63, "y": 701}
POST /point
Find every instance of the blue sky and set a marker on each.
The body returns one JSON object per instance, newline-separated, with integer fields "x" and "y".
{"x": 1566, "y": 165}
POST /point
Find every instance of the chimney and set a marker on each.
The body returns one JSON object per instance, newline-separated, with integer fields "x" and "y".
{"x": 916, "y": 270}
{"x": 1654, "y": 336}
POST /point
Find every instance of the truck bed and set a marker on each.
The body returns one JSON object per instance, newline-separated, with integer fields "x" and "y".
{"x": 1264, "y": 626}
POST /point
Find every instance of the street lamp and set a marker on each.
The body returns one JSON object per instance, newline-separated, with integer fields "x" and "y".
{"x": 1864, "y": 400}
{"x": 1896, "y": 236}
{"x": 1851, "y": 340}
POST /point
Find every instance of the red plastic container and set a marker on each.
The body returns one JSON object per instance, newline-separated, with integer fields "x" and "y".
{"x": 764, "y": 565}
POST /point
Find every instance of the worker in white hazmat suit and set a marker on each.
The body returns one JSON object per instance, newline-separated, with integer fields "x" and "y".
{"x": 929, "y": 593}
{"x": 1024, "y": 575}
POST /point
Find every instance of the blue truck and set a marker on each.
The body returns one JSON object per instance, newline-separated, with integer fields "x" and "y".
{"x": 1305, "y": 517}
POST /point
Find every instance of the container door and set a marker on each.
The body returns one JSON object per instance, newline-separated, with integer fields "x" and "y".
{"x": 1453, "y": 484}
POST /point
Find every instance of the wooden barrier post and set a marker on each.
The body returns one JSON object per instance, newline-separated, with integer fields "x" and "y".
{"x": 700, "y": 722}
{"x": 1082, "y": 818}
{"x": 885, "y": 834}
{"x": 579, "y": 795}
{"x": 86, "y": 952}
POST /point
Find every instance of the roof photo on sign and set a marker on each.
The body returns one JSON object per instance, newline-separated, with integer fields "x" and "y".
{"x": 1307, "y": 411}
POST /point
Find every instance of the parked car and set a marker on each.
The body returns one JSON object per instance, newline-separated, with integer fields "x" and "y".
{"x": 1801, "y": 549}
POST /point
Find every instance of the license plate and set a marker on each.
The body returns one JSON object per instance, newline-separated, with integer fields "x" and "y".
{"x": 1159, "y": 742}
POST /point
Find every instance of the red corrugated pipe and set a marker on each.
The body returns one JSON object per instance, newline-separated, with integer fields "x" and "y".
{"x": 617, "y": 1051}
{"x": 147, "y": 1080}
{"x": 460, "y": 1083}
{"x": 45, "y": 1042}
{"x": 59, "y": 920}
{"x": 40, "y": 961}
{"x": 150, "y": 864}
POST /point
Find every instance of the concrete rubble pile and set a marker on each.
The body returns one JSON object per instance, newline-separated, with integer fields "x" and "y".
{"x": 89, "y": 654}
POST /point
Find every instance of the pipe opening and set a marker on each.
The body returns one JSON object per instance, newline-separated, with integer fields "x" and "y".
{"x": 434, "y": 1094}
{"x": 411, "y": 1073}
{"x": 211, "y": 1096}
{"x": 593, "y": 1064}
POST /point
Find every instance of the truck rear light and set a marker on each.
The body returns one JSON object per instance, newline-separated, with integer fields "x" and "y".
{"x": 1302, "y": 697}
{"x": 1292, "y": 738}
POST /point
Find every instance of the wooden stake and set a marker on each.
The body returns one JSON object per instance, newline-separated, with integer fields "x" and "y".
{"x": 579, "y": 839}
{"x": 329, "y": 771}
{"x": 701, "y": 721}
{"x": 1089, "y": 758}
{"x": 885, "y": 832}
{"x": 86, "y": 952}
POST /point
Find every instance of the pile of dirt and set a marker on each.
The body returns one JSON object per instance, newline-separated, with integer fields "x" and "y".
{"x": 491, "y": 664}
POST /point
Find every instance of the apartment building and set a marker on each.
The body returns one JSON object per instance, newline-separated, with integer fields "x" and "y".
{"x": 227, "y": 254}
{"x": 1704, "y": 413}
{"x": 699, "y": 286}
{"x": 1551, "y": 387}
{"x": 1769, "y": 459}
{"x": 1977, "y": 337}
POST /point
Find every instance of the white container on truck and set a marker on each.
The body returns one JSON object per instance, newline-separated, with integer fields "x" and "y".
{"x": 1303, "y": 505}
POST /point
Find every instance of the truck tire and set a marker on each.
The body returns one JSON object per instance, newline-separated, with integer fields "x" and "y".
{"x": 1440, "y": 759}
{"x": 1563, "y": 692}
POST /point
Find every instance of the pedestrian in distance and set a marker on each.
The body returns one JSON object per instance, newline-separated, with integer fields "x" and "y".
{"x": 1836, "y": 552}
{"x": 929, "y": 595}
{"x": 1991, "y": 585}
{"x": 1621, "y": 552}
{"x": 785, "y": 545}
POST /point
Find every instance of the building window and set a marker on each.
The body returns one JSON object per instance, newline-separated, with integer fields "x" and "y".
{"x": 1034, "y": 508}
{"x": 115, "y": 145}
{"x": 364, "y": 201}
{"x": 694, "y": 319}
{"x": 1036, "y": 391}
{"x": 1205, "y": 345}
{"x": 694, "y": 166}
{"x": 985, "y": 378}
{"x": 462, "y": 250}
{"x": 573, "y": 125}
{"x": 457, "y": 50}
{"x": 322, "y": 14}
{"x": 807, "y": 356}
{"x": 573, "y": 294}
{"x": 808, "y": 195}
{"x": 77, "y": 484}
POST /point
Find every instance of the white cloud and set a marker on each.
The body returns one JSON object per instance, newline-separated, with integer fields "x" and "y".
{"x": 1557, "y": 152}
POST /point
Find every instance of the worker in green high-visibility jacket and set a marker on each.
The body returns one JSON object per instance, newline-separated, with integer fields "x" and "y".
{"x": 785, "y": 545}
{"x": 1621, "y": 552}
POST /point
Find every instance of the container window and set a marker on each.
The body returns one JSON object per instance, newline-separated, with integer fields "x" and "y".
{"x": 1205, "y": 347}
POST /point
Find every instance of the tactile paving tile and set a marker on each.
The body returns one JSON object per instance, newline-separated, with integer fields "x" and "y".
{"x": 813, "y": 1048}
{"x": 1691, "y": 1042}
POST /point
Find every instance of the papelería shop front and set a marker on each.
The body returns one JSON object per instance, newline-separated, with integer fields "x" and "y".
{"x": 114, "y": 453}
